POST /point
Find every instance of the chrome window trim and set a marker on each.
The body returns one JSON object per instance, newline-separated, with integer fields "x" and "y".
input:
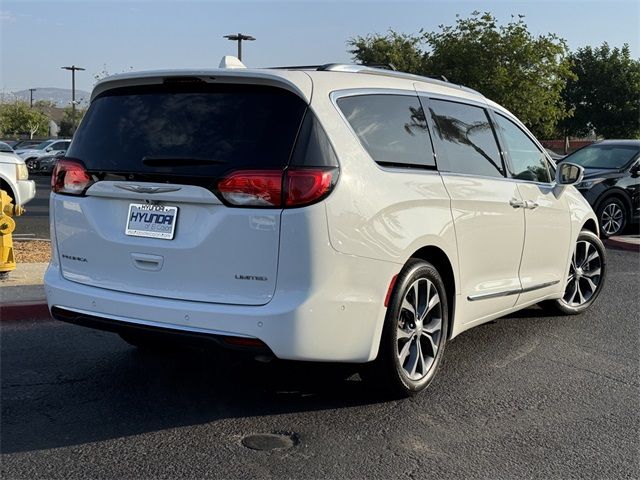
{"x": 452, "y": 98}
{"x": 513, "y": 291}
{"x": 501, "y": 179}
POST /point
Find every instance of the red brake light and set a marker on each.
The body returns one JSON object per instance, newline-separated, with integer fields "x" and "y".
{"x": 305, "y": 186}
{"x": 260, "y": 188}
{"x": 70, "y": 177}
{"x": 264, "y": 188}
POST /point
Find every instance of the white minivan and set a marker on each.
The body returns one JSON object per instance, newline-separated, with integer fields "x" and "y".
{"x": 337, "y": 213}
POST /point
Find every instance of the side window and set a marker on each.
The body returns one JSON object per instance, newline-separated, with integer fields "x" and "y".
{"x": 465, "y": 139}
{"x": 527, "y": 161}
{"x": 392, "y": 128}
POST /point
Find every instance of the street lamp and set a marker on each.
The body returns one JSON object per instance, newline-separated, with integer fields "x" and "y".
{"x": 239, "y": 38}
{"x": 73, "y": 69}
{"x": 31, "y": 90}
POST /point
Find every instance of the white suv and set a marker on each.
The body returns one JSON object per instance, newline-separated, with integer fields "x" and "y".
{"x": 338, "y": 214}
{"x": 14, "y": 176}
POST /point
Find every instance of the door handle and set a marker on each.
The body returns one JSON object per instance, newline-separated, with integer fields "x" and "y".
{"x": 531, "y": 205}
{"x": 515, "y": 203}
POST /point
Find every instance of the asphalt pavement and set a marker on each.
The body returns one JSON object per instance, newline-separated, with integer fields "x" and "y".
{"x": 530, "y": 396}
{"x": 35, "y": 222}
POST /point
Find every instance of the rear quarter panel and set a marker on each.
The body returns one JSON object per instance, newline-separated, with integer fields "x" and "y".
{"x": 382, "y": 213}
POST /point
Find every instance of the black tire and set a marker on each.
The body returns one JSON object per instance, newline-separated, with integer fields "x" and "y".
{"x": 564, "y": 305}
{"x": 612, "y": 217}
{"x": 387, "y": 372}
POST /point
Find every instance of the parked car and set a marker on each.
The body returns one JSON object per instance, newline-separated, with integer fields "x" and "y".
{"x": 5, "y": 148}
{"x": 370, "y": 222}
{"x": 14, "y": 177}
{"x": 611, "y": 182}
{"x": 47, "y": 163}
{"x": 24, "y": 144}
{"x": 553, "y": 155}
{"x": 45, "y": 148}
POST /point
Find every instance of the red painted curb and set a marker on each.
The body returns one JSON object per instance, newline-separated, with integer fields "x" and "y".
{"x": 631, "y": 247}
{"x": 24, "y": 311}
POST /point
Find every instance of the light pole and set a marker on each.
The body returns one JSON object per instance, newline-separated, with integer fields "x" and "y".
{"x": 73, "y": 69}
{"x": 239, "y": 38}
{"x": 31, "y": 90}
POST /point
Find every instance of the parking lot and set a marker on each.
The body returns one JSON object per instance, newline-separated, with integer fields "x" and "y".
{"x": 529, "y": 396}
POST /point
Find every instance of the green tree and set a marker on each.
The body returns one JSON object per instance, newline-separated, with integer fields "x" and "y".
{"x": 67, "y": 123}
{"x": 506, "y": 63}
{"x": 605, "y": 94}
{"x": 399, "y": 50}
{"x": 19, "y": 119}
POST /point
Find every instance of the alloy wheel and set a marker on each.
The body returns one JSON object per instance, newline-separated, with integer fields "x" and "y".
{"x": 585, "y": 274}
{"x": 419, "y": 329}
{"x": 612, "y": 219}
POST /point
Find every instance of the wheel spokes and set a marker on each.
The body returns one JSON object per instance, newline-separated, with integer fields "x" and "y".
{"x": 584, "y": 274}
{"x": 419, "y": 328}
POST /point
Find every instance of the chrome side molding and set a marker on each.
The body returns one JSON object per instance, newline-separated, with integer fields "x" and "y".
{"x": 515, "y": 291}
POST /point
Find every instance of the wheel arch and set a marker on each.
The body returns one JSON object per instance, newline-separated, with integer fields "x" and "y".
{"x": 592, "y": 226}
{"x": 6, "y": 186}
{"x": 614, "y": 193}
{"x": 439, "y": 259}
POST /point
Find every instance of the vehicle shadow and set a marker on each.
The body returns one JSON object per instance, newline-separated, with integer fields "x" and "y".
{"x": 102, "y": 394}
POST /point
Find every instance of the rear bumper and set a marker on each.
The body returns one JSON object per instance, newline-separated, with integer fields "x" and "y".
{"x": 182, "y": 336}
{"x": 340, "y": 321}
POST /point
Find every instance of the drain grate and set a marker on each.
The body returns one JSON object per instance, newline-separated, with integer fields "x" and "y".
{"x": 269, "y": 441}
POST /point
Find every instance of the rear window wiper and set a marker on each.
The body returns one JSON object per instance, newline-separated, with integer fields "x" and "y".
{"x": 168, "y": 161}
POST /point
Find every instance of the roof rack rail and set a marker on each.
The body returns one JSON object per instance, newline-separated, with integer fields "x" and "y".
{"x": 357, "y": 68}
{"x": 297, "y": 67}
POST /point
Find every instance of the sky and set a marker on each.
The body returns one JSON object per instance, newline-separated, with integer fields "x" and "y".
{"x": 38, "y": 37}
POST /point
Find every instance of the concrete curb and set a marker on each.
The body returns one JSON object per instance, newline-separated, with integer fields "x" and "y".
{"x": 24, "y": 311}
{"x": 622, "y": 245}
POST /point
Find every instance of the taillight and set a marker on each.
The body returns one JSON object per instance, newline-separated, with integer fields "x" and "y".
{"x": 305, "y": 186}
{"x": 294, "y": 187}
{"x": 70, "y": 177}
{"x": 259, "y": 188}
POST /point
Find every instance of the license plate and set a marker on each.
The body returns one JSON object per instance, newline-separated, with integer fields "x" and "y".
{"x": 154, "y": 221}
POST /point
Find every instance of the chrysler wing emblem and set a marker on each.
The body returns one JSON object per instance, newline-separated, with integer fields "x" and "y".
{"x": 143, "y": 189}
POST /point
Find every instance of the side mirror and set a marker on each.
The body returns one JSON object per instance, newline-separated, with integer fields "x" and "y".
{"x": 48, "y": 149}
{"x": 635, "y": 169}
{"x": 569, "y": 174}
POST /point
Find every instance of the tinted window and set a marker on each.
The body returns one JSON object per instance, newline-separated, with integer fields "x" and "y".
{"x": 392, "y": 128}
{"x": 189, "y": 130}
{"x": 527, "y": 161}
{"x": 464, "y": 139}
{"x": 313, "y": 148}
{"x": 5, "y": 148}
{"x": 604, "y": 156}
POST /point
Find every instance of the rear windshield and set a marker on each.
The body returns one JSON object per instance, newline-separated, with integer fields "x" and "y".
{"x": 188, "y": 130}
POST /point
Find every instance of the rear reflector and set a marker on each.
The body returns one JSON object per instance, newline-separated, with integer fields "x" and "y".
{"x": 70, "y": 177}
{"x": 294, "y": 187}
{"x": 392, "y": 284}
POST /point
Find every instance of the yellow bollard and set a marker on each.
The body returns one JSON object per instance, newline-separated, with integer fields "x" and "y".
{"x": 7, "y": 226}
